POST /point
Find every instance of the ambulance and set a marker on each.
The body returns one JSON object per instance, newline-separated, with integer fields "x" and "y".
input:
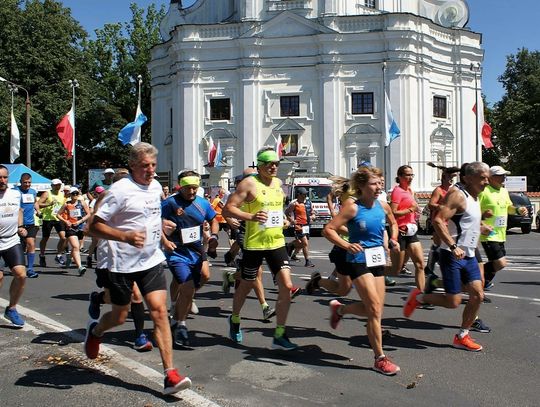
{"x": 319, "y": 186}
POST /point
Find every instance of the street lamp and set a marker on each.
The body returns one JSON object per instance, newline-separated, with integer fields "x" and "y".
{"x": 476, "y": 69}
{"x": 15, "y": 87}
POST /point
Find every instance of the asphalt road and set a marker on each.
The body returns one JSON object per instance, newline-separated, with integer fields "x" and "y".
{"x": 44, "y": 364}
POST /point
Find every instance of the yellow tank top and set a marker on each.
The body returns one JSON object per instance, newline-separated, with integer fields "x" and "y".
{"x": 270, "y": 235}
{"x": 49, "y": 212}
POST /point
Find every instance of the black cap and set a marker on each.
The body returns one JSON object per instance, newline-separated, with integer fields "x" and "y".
{"x": 302, "y": 191}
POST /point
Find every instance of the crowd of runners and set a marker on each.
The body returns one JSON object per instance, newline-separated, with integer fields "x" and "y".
{"x": 133, "y": 227}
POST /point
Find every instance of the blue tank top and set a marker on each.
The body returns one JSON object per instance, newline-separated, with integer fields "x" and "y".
{"x": 366, "y": 228}
{"x": 28, "y": 198}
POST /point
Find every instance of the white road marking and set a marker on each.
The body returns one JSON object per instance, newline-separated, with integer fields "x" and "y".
{"x": 188, "y": 396}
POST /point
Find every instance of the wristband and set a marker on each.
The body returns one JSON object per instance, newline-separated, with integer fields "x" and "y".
{"x": 214, "y": 235}
{"x": 20, "y": 227}
{"x": 453, "y": 247}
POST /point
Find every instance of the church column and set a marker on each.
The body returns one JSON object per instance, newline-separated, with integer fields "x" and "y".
{"x": 352, "y": 157}
{"x": 330, "y": 153}
{"x": 374, "y": 148}
{"x": 250, "y": 123}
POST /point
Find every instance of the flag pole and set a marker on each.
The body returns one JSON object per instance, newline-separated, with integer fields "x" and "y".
{"x": 139, "y": 79}
{"x": 74, "y": 84}
{"x": 383, "y": 120}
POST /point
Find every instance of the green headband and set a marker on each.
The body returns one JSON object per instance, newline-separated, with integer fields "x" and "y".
{"x": 267, "y": 156}
{"x": 189, "y": 180}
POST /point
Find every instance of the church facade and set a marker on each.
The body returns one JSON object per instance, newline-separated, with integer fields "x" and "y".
{"x": 310, "y": 77}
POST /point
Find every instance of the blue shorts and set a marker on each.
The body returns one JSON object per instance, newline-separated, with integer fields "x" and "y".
{"x": 184, "y": 272}
{"x": 457, "y": 272}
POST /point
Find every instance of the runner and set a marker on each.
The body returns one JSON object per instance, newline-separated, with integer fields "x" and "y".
{"x": 49, "y": 203}
{"x": 74, "y": 213}
{"x": 458, "y": 225}
{"x": 106, "y": 182}
{"x": 258, "y": 200}
{"x": 300, "y": 214}
{"x": 238, "y": 231}
{"x": 30, "y": 208}
{"x": 186, "y": 212}
{"x": 404, "y": 207}
{"x": 447, "y": 180}
{"x": 141, "y": 342}
{"x": 495, "y": 204}
{"x": 130, "y": 218}
{"x": 11, "y": 232}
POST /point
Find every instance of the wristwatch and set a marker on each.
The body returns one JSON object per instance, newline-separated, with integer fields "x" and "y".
{"x": 453, "y": 247}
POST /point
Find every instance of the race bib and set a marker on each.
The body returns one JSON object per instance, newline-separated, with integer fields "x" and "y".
{"x": 500, "y": 221}
{"x": 27, "y": 198}
{"x": 375, "y": 256}
{"x": 275, "y": 219}
{"x": 469, "y": 239}
{"x": 153, "y": 234}
{"x": 190, "y": 235}
{"x": 305, "y": 229}
{"x": 56, "y": 208}
{"x": 75, "y": 213}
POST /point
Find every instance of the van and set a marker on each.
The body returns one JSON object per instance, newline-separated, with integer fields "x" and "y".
{"x": 318, "y": 186}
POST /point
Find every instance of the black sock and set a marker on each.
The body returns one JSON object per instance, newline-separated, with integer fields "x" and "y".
{"x": 101, "y": 297}
{"x": 489, "y": 271}
{"x": 137, "y": 312}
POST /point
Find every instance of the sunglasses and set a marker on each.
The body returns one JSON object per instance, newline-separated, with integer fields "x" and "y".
{"x": 270, "y": 163}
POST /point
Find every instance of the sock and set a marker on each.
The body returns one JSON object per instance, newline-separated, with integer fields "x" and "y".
{"x": 380, "y": 357}
{"x": 433, "y": 257}
{"x": 463, "y": 333}
{"x": 231, "y": 278}
{"x": 489, "y": 271}
{"x": 264, "y": 305}
{"x": 137, "y": 312}
{"x": 168, "y": 370}
{"x": 182, "y": 323}
{"x": 235, "y": 319}
{"x": 30, "y": 257}
{"x": 280, "y": 331}
{"x": 101, "y": 297}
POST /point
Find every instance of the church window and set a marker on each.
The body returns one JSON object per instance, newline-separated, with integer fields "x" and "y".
{"x": 220, "y": 109}
{"x": 370, "y": 3}
{"x": 362, "y": 103}
{"x": 439, "y": 107}
{"x": 290, "y": 106}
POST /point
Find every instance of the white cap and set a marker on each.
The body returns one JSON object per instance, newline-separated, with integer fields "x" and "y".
{"x": 108, "y": 171}
{"x": 56, "y": 181}
{"x": 73, "y": 189}
{"x": 498, "y": 170}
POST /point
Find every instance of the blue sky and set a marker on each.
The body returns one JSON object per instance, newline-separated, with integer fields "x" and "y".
{"x": 506, "y": 26}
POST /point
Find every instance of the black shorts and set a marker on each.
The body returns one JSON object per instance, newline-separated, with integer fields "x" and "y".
{"x": 405, "y": 241}
{"x": 252, "y": 260}
{"x": 338, "y": 256}
{"x": 31, "y": 231}
{"x": 75, "y": 232}
{"x": 238, "y": 236}
{"x": 147, "y": 280}
{"x": 48, "y": 225}
{"x": 102, "y": 278}
{"x": 494, "y": 250}
{"x": 298, "y": 234}
{"x": 224, "y": 226}
{"x": 355, "y": 270}
{"x": 14, "y": 256}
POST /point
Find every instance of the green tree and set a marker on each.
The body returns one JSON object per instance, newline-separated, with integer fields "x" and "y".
{"x": 517, "y": 115}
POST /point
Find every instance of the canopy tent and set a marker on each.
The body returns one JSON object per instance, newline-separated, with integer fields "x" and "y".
{"x": 39, "y": 182}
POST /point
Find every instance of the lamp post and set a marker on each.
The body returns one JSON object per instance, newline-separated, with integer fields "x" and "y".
{"x": 476, "y": 69}
{"x": 15, "y": 87}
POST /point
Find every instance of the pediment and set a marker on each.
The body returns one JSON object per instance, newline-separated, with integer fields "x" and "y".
{"x": 287, "y": 24}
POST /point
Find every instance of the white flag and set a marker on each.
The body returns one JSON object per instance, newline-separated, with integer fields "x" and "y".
{"x": 391, "y": 128}
{"x": 15, "y": 139}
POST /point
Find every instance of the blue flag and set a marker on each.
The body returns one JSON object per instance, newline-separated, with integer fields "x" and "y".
{"x": 391, "y": 128}
{"x": 131, "y": 133}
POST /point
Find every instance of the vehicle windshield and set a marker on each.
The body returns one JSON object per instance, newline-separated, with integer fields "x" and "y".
{"x": 317, "y": 193}
{"x": 520, "y": 200}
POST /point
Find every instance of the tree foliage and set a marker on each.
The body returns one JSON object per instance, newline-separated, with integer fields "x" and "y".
{"x": 517, "y": 115}
{"x": 41, "y": 48}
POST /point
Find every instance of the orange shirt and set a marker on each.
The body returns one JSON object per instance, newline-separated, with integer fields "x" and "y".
{"x": 300, "y": 215}
{"x": 218, "y": 207}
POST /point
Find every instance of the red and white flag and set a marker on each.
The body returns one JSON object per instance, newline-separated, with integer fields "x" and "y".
{"x": 66, "y": 132}
{"x": 484, "y": 129}
{"x": 212, "y": 151}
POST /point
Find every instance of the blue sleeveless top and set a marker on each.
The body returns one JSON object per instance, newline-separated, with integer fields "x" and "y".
{"x": 366, "y": 228}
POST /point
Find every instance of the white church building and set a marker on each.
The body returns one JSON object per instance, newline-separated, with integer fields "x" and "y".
{"x": 311, "y": 75}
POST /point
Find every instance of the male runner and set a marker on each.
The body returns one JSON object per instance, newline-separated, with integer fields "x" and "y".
{"x": 130, "y": 218}
{"x": 49, "y": 204}
{"x": 259, "y": 201}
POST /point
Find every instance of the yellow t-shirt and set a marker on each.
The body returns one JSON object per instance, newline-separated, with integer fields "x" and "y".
{"x": 49, "y": 212}
{"x": 266, "y": 236}
{"x": 498, "y": 201}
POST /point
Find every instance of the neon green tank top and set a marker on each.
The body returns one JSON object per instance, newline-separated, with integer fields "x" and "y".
{"x": 49, "y": 212}
{"x": 270, "y": 235}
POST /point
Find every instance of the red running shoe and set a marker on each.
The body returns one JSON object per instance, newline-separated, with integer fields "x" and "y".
{"x": 175, "y": 382}
{"x": 295, "y": 292}
{"x": 91, "y": 341}
{"x": 466, "y": 343}
{"x": 334, "y": 316}
{"x": 412, "y": 303}
{"x": 385, "y": 366}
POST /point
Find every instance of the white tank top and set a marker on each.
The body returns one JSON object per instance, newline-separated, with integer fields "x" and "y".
{"x": 465, "y": 227}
